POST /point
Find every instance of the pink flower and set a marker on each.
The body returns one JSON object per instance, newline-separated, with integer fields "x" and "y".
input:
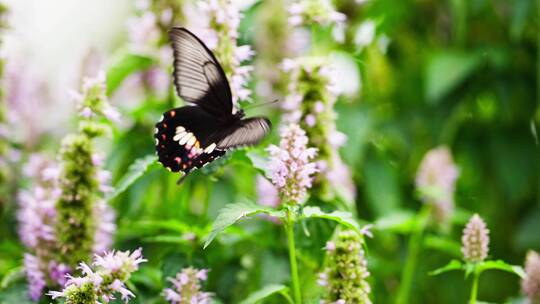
{"x": 216, "y": 23}
{"x": 187, "y": 287}
{"x": 531, "y": 284}
{"x": 267, "y": 193}
{"x": 475, "y": 240}
{"x": 291, "y": 164}
{"x": 436, "y": 179}
{"x": 111, "y": 272}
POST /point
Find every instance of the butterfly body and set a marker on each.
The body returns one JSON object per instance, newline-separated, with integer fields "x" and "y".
{"x": 192, "y": 136}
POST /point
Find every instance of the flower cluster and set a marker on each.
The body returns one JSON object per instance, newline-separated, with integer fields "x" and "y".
{"x": 3, "y": 131}
{"x": 111, "y": 271}
{"x": 345, "y": 276}
{"x": 216, "y": 23}
{"x": 187, "y": 287}
{"x": 309, "y": 103}
{"x": 436, "y": 180}
{"x": 475, "y": 240}
{"x": 531, "y": 284}
{"x": 26, "y": 98}
{"x": 147, "y": 31}
{"x": 79, "y": 207}
{"x": 291, "y": 164}
{"x": 63, "y": 218}
{"x": 275, "y": 40}
{"x": 307, "y": 12}
{"x": 93, "y": 102}
{"x": 322, "y": 12}
{"x": 37, "y": 217}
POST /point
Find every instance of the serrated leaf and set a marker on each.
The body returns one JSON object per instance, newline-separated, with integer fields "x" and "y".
{"x": 232, "y": 213}
{"x": 501, "y": 265}
{"x": 342, "y": 217}
{"x": 134, "y": 172}
{"x": 263, "y": 293}
{"x": 453, "y": 265}
{"x": 124, "y": 66}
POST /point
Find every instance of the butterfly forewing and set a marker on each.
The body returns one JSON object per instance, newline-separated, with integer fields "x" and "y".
{"x": 198, "y": 77}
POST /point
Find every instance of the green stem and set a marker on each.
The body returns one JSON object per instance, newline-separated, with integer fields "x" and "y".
{"x": 289, "y": 226}
{"x": 287, "y": 297}
{"x": 414, "y": 249}
{"x": 474, "y": 288}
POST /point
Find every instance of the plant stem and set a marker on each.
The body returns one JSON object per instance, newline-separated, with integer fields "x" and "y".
{"x": 289, "y": 226}
{"x": 287, "y": 297}
{"x": 412, "y": 256}
{"x": 474, "y": 288}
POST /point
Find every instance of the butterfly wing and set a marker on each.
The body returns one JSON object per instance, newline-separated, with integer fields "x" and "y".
{"x": 245, "y": 132}
{"x": 198, "y": 76}
{"x": 182, "y": 139}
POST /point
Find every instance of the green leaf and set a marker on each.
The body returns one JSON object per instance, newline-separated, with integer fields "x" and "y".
{"x": 232, "y": 213}
{"x": 263, "y": 293}
{"x": 501, "y": 265}
{"x": 342, "y": 217}
{"x": 443, "y": 244}
{"x": 259, "y": 162}
{"x": 446, "y": 70}
{"x": 453, "y": 265}
{"x": 135, "y": 171}
{"x": 167, "y": 239}
{"x": 123, "y": 67}
{"x": 13, "y": 275}
{"x": 402, "y": 221}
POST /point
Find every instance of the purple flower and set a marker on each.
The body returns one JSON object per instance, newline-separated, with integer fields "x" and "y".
{"x": 120, "y": 261}
{"x": 111, "y": 272}
{"x": 104, "y": 217}
{"x": 34, "y": 275}
{"x": 58, "y": 272}
{"x": 93, "y": 99}
{"x": 309, "y": 12}
{"x": 267, "y": 193}
{"x": 475, "y": 240}
{"x": 216, "y": 23}
{"x": 291, "y": 164}
{"x": 143, "y": 32}
{"x": 187, "y": 287}
{"x": 531, "y": 284}
{"x": 436, "y": 179}
{"x": 26, "y": 98}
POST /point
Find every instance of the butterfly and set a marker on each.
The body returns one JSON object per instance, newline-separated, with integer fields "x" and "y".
{"x": 196, "y": 134}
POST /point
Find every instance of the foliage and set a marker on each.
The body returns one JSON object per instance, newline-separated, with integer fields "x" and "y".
{"x": 461, "y": 74}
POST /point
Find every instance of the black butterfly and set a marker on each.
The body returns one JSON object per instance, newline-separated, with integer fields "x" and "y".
{"x": 194, "y": 135}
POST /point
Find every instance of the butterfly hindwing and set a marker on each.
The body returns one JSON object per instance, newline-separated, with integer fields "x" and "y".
{"x": 244, "y": 132}
{"x": 182, "y": 139}
{"x": 198, "y": 77}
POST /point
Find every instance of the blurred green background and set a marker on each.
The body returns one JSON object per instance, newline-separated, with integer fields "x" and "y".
{"x": 461, "y": 73}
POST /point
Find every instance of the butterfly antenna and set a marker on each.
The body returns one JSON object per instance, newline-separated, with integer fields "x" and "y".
{"x": 261, "y": 104}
